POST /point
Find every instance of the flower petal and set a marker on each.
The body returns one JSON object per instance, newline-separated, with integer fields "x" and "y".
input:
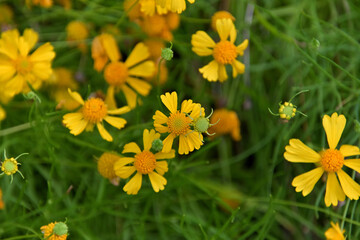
{"x": 334, "y": 126}
{"x": 162, "y": 167}
{"x": 149, "y": 137}
{"x": 333, "y": 193}
{"x": 76, "y": 96}
{"x": 350, "y": 187}
{"x": 131, "y": 148}
{"x": 124, "y": 171}
{"x": 241, "y": 47}
{"x": 183, "y": 145}
{"x": 305, "y": 182}
{"x": 161, "y": 128}
{"x": 138, "y": 54}
{"x": 142, "y": 87}
{"x": 187, "y": 106}
{"x": 130, "y": 96}
{"x": 168, "y": 142}
{"x": 222, "y": 73}
{"x": 31, "y": 37}
{"x": 75, "y": 122}
{"x": 44, "y": 53}
{"x": 157, "y": 181}
{"x": 170, "y": 101}
{"x": 104, "y": 134}
{"x": 210, "y": 71}
{"x": 237, "y": 68}
{"x": 225, "y": 27}
{"x": 115, "y": 121}
{"x": 165, "y": 155}
{"x": 120, "y": 111}
{"x": 134, "y": 185}
{"x": 349, "y": 150}
{"x": 297, "y": 151}
{"x": 353, "y": 164}
{"x": 160, "y": 118}
{"x": 202, "y": 43}
{"x": 144, "y": 69}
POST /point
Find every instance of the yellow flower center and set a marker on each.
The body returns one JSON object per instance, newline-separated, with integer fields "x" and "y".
{"x": 9, "y": 166}
{"x": 145, "y": 162}
{"x": 23, "y": 65}
{"x": 94, "y": 110}
{"x": 225, "y": 52}
{"x": 332, "y": 160}
{"x": 116, "y": 73}
{"x": 178, "y": 123}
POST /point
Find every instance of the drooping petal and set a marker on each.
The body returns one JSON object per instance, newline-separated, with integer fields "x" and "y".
{"x": 241, "y": 47}
{"x": 210, "y": 71}
{"x": 115, "y": 121}
{"x": 222, "y": 73}
{"x": 334, "y": 126}
{"x": 104, "y": 134}
{"x": 131, "y": 148}
{"x": 333, "y": 193}
{"x": 157, "y": 181}
{"x": 160, "y": 118}
{"x": 110, "y": 47}
{"x": 350, "y": 187}
{"x": 297, "y": 151}
{"x": 149, "y": 137}
{"x": 144, "y": 69}
{"x": 76, "y": 96}
{"x": 138, "y": 54}
{"x": 170, "y": 101}
{"x": 134, "y": 185}
{"x": 237, "y": 68}
{"x": 142, "y": 87}
{"x": 202, "y": 43}
{"x": 161, "y": 167}
{"x": 194, "y": 140}
{"x": 168, "y": 142}
{"x": 165, "y": 155}
{"x": 75, "y": 122}
{"x": 349, "y": 150}
{"x": 183, "y": 145}
{"x": 305, "y": 182}
{"x": 130, "y": 96}
{"x": 110, "y": 98}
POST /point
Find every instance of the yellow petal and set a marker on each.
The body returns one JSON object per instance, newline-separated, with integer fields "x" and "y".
{"x": 104, "y": 134}
{"x": 165, "y": 155}
{"x": 161, "y": 167}
{"x": 130, "y": 96}
{"x": 144, "y": 69}
{"x": 305, "y": 182}
{"x": 42, "y": 70}
{"x": 6, "y": 72}
{"x": 194, "y": 140}
{"x": 75, "y": 122}
{"x": 115, "y": 121}
{"x": 110, "y": 47}
{"x": 187, "y": 106}
{"x": 333, "y": 193}
{"x": 31, "y": 37}
{"x": 149, "y": 137}
{"x": 210, "y": 71}
{"x": 353, "y": 164}
{"x": 334, "y": 126}
{"x": 142, "y": 87}
{"x": 177, "y": 6}
{"x": 134, "y": 185}
{"x": 237, "y": 67}
{"x": 110, "y": 98}
{"x": 167, "y": 143}
{"x": 202, "y": 43}
{"x": 2, "y": 114}
{"x": 23, "y": 47}
{"x": 222, "y": 73}
{"x": 349, "y": 150}
{"x": 44, "y": 53}
{"x": 76, "y": 96}
{"x": 159, "y": 117}
{"x": 170, "y": 101}
{"x": 335, "y": 233}
{"x": 131, "y": 148}
{"x": 195, "y": 113}
{"x": 123, "y": 161}
{"x": 225, "y": 27}
{"x": 124, "y": 171}
{"x": 138, "y": 54}
{"x": 161, "y": 128}
{"x": 15, "y": 85}
{"x": 183, "y": 145}
{"x": 297, "y": 151}
{"x": 350, "y": 187}
{"x": 157, "y": 181}
{"x": 119, "y": 111}
{"x": 241, "y": 47}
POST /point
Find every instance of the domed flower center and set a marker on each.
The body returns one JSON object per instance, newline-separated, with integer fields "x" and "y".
{"x": 23, "y": 65}
{"x": 178, "y": 123}
{"x": 9, "y": 166}
{"x": 145, "y": 162}
{"x": 106, "y": 165}
{"x": 116, "y": 73}
{"x": 94, "y": 110}
{"x": 224, "y": 52}
{"x": 332, "y": 160}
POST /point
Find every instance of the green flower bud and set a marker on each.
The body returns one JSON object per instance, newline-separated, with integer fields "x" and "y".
{"x": 167, "y": 54}
{"x": 157, "y": 145}
{"x": 60, "y": 228}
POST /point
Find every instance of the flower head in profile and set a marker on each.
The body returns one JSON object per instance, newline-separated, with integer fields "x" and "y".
{"x": 93, "y": 112}
{"x": 224, "y": 52}
{"x": 145, "y": 162}
{"x": 55, "y": 231}
{"x": 334, "y": 232}
{"x": 329, "y": 161}
{"x": 77, "y": 32}
{"x": 127, "y": 76}
{"x": 178, "y": 124}
{"x": 18, "y": 67}
{"x": 105, "y": 166}
{"x": 225, "y": 121}
{"x": 220, "y": 15}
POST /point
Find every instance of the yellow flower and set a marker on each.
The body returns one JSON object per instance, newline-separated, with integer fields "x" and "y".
{"x": 2, "y": 204}
{"x": 173, "y": 5}
{"x": 225, "y": 122}
{"x": 334, "y": 232}
{"x": 224, "y": 52}
{"x": 77, "y": 32}
{"x": 49, "y": 232}
{"x": 2, "y": 113}
{"x": 220, "y": 15}
{"x": 144, "y": 163}
{"x": 123, "y": 75}
{"x": 178, "y": 124}
{"x": 17, "y": 67}
{"x": 329, "y": 161}
{"x": 93, "y": 112}
{"x": 42, "y": 3}
{"x": 10, "y": 166}
{"x": 105, "y": 166}
{"x": 104, "y": 47}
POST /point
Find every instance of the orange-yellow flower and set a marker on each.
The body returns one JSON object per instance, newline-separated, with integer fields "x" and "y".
{"x": 173, "y": 5}
{"x": 93, "y": 112}
{"x": 220, "y": 15}
{"x": 77, "y": 32}
{"x": 50, "y": 233}
{"x": 178, "y": 124}
{"x": 143, "y": 163}
{"x": 224, "y": 52}
{"x": 104, "y": 47}
{"x": 329, "y": 161}
{"x": 105, "y": 166}
{"x": 225, "y": 122}
{"x": 334, "y": 232}
{"x": 18, "y": 67}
